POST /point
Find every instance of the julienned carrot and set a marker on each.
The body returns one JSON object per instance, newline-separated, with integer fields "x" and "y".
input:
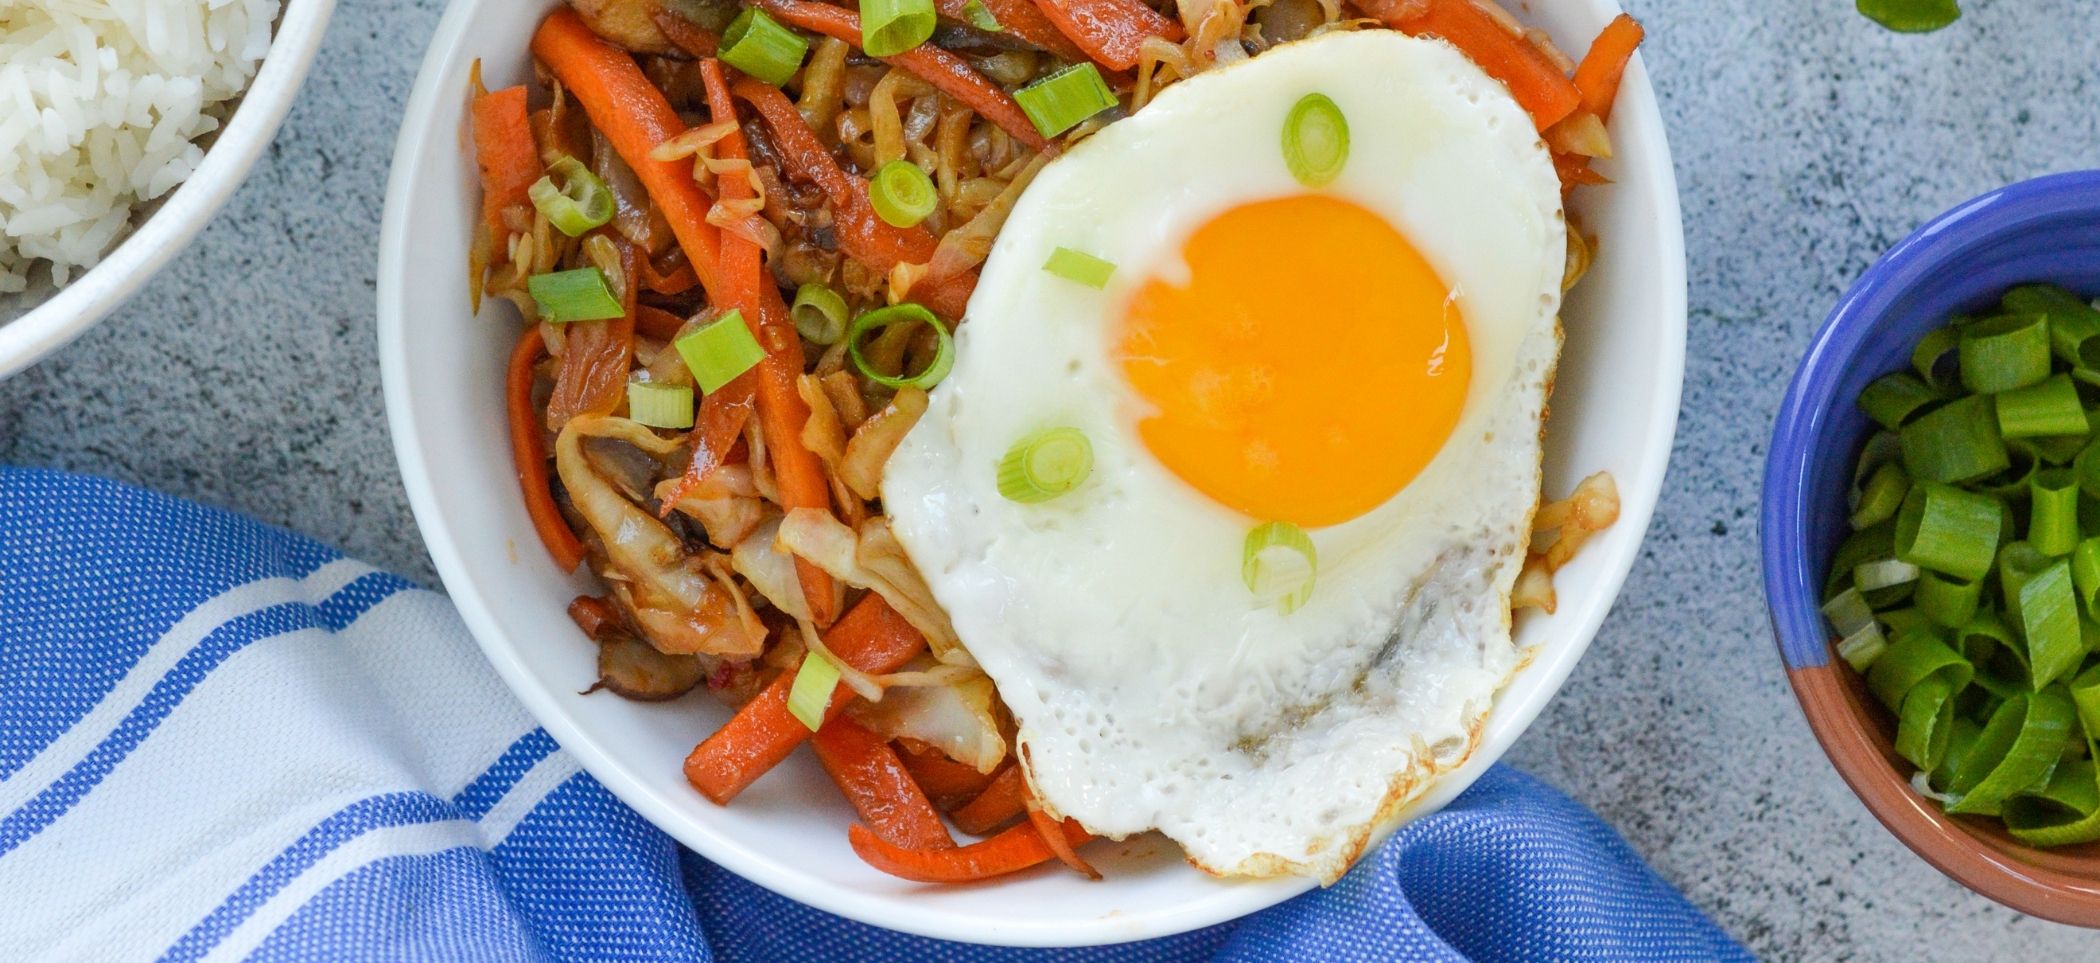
{"x": 635, "y": 117}
{"x": 1021, "y": 19}
{"x": 875, "y": 781}
{"x": 1110, "y": 31}
{"x": 1001, "y": 802}
{"x": 596, "y": 356}
{"x": 677, "y": 282}
{"x": 1597, "y": 76}
{"x": 1574, "y": 171}
{"x": 870, "y": 637}
{"x": 1533, "y": 80}
{"x": 864, "y": 236}
{"x": 717, "y": 427}
{"x": 947, "y": 782}
{"x": 657, "y": 322}
{"x": 528, "y": 449}
{"x": 505, "y": 153}
{"x": 947, "y": 72}
{"x": 1054, "y": 833}
{"x": 1009, "y": 852}
{"x": 746, "y": 285}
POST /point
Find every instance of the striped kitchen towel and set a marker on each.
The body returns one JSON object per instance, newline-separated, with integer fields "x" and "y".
{"x": 221, "y": 740}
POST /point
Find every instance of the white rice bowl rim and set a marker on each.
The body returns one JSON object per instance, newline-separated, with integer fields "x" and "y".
{"x": 166, "y": 231}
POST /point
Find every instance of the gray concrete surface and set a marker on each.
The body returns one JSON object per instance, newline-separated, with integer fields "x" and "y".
{"x": 1807, "y": 141}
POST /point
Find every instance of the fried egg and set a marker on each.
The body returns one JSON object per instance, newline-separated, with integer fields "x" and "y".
{"x": 1367, "y": 360}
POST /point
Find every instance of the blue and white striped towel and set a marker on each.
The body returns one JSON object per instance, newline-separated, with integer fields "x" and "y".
{"x": 221, "y": 740}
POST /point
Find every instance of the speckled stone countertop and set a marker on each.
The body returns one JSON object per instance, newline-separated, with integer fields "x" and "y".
{"x": 1807, "y": 141}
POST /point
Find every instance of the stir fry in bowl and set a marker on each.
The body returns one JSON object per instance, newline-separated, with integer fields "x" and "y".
{"x": 744, "y": 239}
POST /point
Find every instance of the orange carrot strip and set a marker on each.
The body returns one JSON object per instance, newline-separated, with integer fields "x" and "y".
{"x": 870, "y": 637}
{"x": 505, "y": 152}
{"x": 635, "y": 117}
{"x": 677, "y": 282}
{"x": 1009, "y": 852}
{"x": 947, "y": 782}
{"x": 1021, "y": 19}
{"x": 716, "y": 430}
{"x": 1533, "y": 80}
{"x": 1110, "y": 31}
{"x": 875, "y": 781}
{"x": 781, "y": 410}
{"x": 947, "y": 72}
{"x": 687, "y": 35}
{"x": 657, "y": 322}
{"x": 528, "y": 449}
{"x": 1575, "y": 171}
{"x": 864, "y": 236}
{"x": 596, "y": 356}
{"x": 1001, "y": 802}
{"x": 1597, "y": 76}
{"x": 1054, "y": 834}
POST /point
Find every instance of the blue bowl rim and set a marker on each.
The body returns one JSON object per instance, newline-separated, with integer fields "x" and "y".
{"x": 1791, "y": 593}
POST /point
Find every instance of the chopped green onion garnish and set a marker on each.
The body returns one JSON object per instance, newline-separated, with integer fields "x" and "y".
{"x": 578, "y": 295}
{"x": 1849, "y": 612}
{"x": 1279, "y": 565}
{"x": 2039, "y": 724}
{"x": 1934, "y": 358}
{"x": 819, "y": 313}
{"x": 660, "y": 405}
{"x": 2073, "y": 324}
{"x": 1912, "y": 658}
{"x": 1881, "y": 496}
{"x": 1925, "y": 721}
{"x": 758, "y": 45}
{"x": 573, "y": 199}
{"x": 2048, "y": 407}
{"x": 1079, "y": 267}
{"x": 902, "y": 194}
{"x": 2052, "y": 526}
{"x": 2085, "y": 575}
{"x": 1948, "y": 530}
{"x": 1057, "y": 101}
{"x": 1045, "y": 465}
{"x": 1315, "y": 140}
{"x": 1884, "y": 573}
{"x": 1892, "y": 398}
{"x": 2043, "y": 604}
{"x": 891, "y": 27}
{"x": 720, "y": 351}
{"x": 1861, "y": 648}
{"x": 1955, "y": 442}
{"x": 906, "y": 313}
{"x": 981, "y": 18}
{"x": 1911, "y": 16}
{"x": 811, "y": 694}
{"x": 2003, "y": 353}
{"x": 1948, "y": 600}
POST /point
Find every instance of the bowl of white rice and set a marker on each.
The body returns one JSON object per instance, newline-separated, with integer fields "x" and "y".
{"x": 124, "y": 126}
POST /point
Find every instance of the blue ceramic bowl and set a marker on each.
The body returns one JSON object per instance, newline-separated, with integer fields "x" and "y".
{"x": 2047, "y": 229}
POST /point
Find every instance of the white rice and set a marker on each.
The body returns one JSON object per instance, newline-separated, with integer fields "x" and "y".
{"x": 101, "y": 102}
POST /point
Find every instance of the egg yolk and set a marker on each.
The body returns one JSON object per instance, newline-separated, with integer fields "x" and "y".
{"x": 1306, "y": 366}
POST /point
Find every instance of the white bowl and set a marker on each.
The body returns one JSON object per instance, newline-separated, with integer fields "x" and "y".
{"x": 1615, "y": 409}
{"x": 175, "y": 219}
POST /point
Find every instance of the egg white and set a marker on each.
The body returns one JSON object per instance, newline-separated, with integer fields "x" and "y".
{"x": 1150, "y": 688}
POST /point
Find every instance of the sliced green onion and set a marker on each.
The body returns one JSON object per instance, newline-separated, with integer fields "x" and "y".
{"x": 2016, "y": 482}
{"x": 1948, "y": 600}
{"x": 1884, "y": 573}
{"x": 1898, "y": 623}
{"x": 1862, "y": 546}
{"x": 2085, "y": 693}
{"x": 660, "y": 405}
{"x": 1849, "y": 612}
{"x": 2040, "y": 596}
{"x": 1912, "y": 658}
{"x": 1893, "y": 398}
{"x": 2053, "y": 449}
{"x": 573, "y": 199}
{"x": 1911, "y": 16}
{"x": 2041, "y": 722}
{"x": 1079, "y": 267}
{"x": 906, "y": 313}
{"x": 819, "y": 313}
{"x": 2052, "y": 526}
{"x": 2047, "y": 407}
{"x": 2005, "y": 352}
{"x": 979, "y": 17}
{"x": 578, "y": 295}
{"x": 1960, "y": 744}
{"x": 758, "y": 45}
{"x": 2085, "y": 575}
{"x": 902, "y": 194}
{"x": 1948, "y": 530}
{"x": 1925, "y": 722}
{"x": 1045, "y": 465}
{"x": 1934, "y": 359}
{"x": 891, "y": 27}
{"x": 1316, "y": 140}
{"x": 2064, "y": 813}
{"x": 1057, "y": 101}
{"x": 811, "y": 694}
{"x": 1881, "y": 497}
{"x": 1279, "y": 565}
{"x": 1955, "y": 442}
{"x": 1861, "y": 648}
{"x": 1994, "y": 650}
{"x": 720, "y": 351}
{"x": 2073, "y": 325}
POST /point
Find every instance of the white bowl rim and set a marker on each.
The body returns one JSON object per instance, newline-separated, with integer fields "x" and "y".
{"x": 1505, "y": 724}
{"x": 140, "y": 255}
